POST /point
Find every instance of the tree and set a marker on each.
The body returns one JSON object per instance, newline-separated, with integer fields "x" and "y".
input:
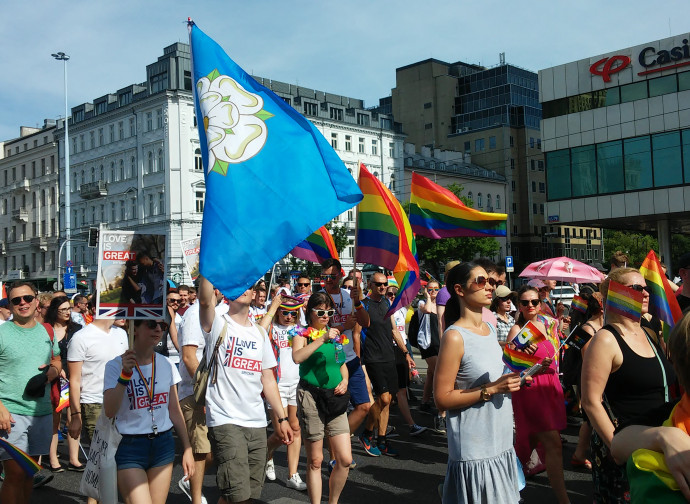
{"x": 339, "y": 234}
{"x": 310, "y": 268}
{"x": 433, "y": 254}
{"x": 635, "y": 245}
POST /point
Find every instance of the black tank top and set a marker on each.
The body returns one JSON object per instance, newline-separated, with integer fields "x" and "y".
{"x": 636, "y": 390}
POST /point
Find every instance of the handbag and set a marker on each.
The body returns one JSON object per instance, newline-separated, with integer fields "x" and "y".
{"x": 55, "y": 384}
{"x": 424, "y": 334}
{"x": 205, "y": 368}
{"x": 99, "y": 480}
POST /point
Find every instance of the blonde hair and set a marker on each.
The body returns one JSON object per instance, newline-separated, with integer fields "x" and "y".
{"x": 679, "y": 349}
{"x": 617, "y": 276}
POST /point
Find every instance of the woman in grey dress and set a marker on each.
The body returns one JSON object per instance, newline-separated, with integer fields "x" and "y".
{"x": 470, "y": 384}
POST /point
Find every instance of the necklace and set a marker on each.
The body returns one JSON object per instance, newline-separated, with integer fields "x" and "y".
{"x": 150, "y": 390}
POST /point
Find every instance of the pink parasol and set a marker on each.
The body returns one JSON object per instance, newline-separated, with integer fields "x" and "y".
{"x": 563, "y": 269}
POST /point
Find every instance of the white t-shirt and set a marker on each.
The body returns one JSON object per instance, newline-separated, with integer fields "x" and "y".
{"x": 78, "y": 318}
{"x": 289, "y": 371}
{"x": 399, "y": 318}
{"x": 94, "y": 348}
{"x": 173, "y": 354}
{"x": 236, "y": 396}
{"x": 256, "y": 313}
{"x": 343, "y": 311}
{"x": 191, "y": 335}
{"x": 134, "y": 416}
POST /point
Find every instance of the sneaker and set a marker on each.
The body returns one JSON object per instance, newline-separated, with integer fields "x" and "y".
{"x": 184, "y": 486}
{"x": 387, "y": 449}
{"x": 271, "y": 470}
{"x": 42, "y": 478}
{"x": 416, "y": 430}
{"x": 296, "y": 483}
{"x": 353, "y": 464}
{"x": 440, "y": 424}
{"x": 331, "y": 466}
{"x": 369, "y": 446}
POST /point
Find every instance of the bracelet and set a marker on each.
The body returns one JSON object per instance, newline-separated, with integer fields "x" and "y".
{"x": 125, "y": 378}
{"x": 281, "y": 420}
{"x": 75, "y": 413}
{"x": 359, "y": 306}
{"x": 126, "y": 375}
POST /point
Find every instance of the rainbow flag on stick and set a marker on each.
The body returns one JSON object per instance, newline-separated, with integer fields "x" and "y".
{"x": 25, "y": 461}
{"x": 579, "y": 304}
{"x": 435, "y": 212}
{"x": 528, "y": 335}
{"x": 518, "y": 361}
{"x": 384, "y": 238}
{"x": 64, "y": 395}
{"x": 318, "y": 247}
{"x": 623, "y": 301}
{"x": 662, "y": 302}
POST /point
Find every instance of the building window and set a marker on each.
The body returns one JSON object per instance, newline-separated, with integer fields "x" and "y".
{"x": 161, "y": 203}
{"x": 111, "y": 130}
{"x": 512, "y": 185}
{"x": 121, "y": 130}
{"x": 514, "y": 208}
{"x": 92, "y": 139}
{"x": 532, "y": 165}
{"x": 159, "y": 118}
{"x": 151, "y": 208}
{"x": 336, "y": 114}
{"x": 391, "y": 149}
{"x": 479, "y": 200}
{"x": 149, "y": 165}
{"x": 542, "y": 187}
{"x": 531, "y": 142}
{"x": 82, "y": 143}
{"x": 512, "y": 142}
{"x": 534, "y": 209}
{"x": 133, "y": 167}
{"x": 429, "y": 126}
{"x": 334, "y": 140}
{"x": 540, "y": 165}
{"x": 123, "y": 212}
{"x": 541, "y": 208}
{"x": 374, "y": 148}
{"x": 488, "y": 201}
{"x": 100, "y": 136}
{"x": 132, "y": 127}
{"x": 149, "y": 121}
{"x": 512, "y": 164}
{"x": 161, "y": 161}
{"x": 112, "y": 212}
{"x": 470, "y": 196}
{"x": 539, "y": 143}
{"x": 361, "y": 145}
{"x": 122, "y": 169}
{"x": 534, "y": 186}
{"x": 498, "y": 202}
{"x": 348, "y": 143}
{"x": 134, "y": 208}
{"x": 478, "y": 145}
{"x": 427, "y": 105}
{"x": 200, "y": 196}
{"x": 363, "y": 119}
{"x": 492, "y": 142}
{"x": 311, "y": 109}
{"x": 112, "y": 171}
{"x": 198, "y": 161}
{"x": 467, "y": 146}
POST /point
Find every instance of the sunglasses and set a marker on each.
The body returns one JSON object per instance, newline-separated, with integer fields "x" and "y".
{"x": 299, "y": 284}
{"x": 16, "y": 301}
{"x": 288, "y": 313}
{"x": 347, "y": 287}
{"x": 329, "y": 277}
{"x": 174, "y": 300}
{"x": 481, "y": 282}
{"x": 64, "y": 310}
{"x": 526, "y": 302}
{"x": 638, "y": 287}
{"x": 390, "y": 294}
{"x": 152, "y": 324}
{"x": 434, "y": 289}
{"x": 380, "y": 284}
{"x": 504, "y": 299}
{"x": 323, "y": 313}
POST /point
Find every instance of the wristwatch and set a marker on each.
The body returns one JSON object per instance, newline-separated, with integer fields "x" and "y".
{"x": 281, "y": 420}
{"x": 484, "y": 394}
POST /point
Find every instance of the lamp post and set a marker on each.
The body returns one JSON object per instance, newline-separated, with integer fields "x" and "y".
{"x": 61, "y": 56}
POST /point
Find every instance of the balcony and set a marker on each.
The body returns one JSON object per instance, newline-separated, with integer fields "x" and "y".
{"x": 22, "y": 185}
{"x": 93, "y": 190}
{"x": 40, "y": 242}
{"x": 20, "y": 214}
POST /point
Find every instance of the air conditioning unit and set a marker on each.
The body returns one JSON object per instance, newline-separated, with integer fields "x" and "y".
{"x": 83, "y": 270}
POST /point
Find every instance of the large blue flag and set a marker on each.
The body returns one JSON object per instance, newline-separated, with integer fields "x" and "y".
{"x": 272, "y": 179}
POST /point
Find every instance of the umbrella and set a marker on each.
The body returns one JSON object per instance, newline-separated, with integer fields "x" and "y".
{"x": 563, "y": 269}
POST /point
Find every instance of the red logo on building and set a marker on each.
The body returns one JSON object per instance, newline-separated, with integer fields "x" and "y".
{"x": 607, "y": 66}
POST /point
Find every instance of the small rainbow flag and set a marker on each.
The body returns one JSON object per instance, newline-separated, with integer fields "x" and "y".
{"x": 662, "y": 302}
{"x": 529, "y": 334}
{"x": 578, "y": 304}
{"x": 318, "y": 247}
{"x": 25, "y": 461}
{"x": 518, "y": 361}
{"x": 384, "y": 238}
{"x": 64, "y": 395}
{"x": 435, "y": 212}
{"x": 578, "y": 338}
{"x": 624, "y": 301}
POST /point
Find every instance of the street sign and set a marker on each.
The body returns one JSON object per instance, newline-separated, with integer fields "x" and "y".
{"x": 509, "y": 264}
{"x": 69, "y": 269}
{"x": 69, "y": 264}
{"x": 70, "y": 283}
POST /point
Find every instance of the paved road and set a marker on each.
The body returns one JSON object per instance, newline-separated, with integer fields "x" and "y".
{"x": 412, "y": 478}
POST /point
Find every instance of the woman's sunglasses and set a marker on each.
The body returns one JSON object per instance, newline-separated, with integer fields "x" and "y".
{"x": 481, "y": 282}
{"x": 526, "y": 302}
{"x": 504, "y": 299}
{"x": 638, "y": 287}
{"x": 323, "y": 313}
{"x": 288, "y": 313}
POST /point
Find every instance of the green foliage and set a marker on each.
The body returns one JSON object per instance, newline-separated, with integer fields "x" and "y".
{"x": 635, "y": 245}
{"x": 340, "y": 236}
{"x": 434, "y": 254}
{"x": 310, "y": 268}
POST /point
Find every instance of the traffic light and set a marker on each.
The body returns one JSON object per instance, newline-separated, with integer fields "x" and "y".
{"x": 93, "y": 237}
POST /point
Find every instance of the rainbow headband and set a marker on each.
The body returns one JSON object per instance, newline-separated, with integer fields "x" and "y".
{"x": 624, "y": 301}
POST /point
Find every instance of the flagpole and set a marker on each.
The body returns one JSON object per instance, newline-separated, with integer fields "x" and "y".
{"x": 354, "y": 259}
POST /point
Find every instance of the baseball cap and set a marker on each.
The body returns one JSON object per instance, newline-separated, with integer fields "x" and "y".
{"x": 4, "y": 303}
{"x": 503, "y": 291}
{"x": 536, "y": 283}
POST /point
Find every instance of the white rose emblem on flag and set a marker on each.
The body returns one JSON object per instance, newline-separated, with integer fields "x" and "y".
{"x": 234, "y": 121}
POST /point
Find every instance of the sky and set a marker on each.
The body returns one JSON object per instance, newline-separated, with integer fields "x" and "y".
{"x": 345, "y": 47}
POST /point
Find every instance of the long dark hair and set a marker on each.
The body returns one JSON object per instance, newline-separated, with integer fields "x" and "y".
{"x": 52, "y": 312}
{"x": 316, "y": 299}
{"x": 525, "y": 288}
{"x": 458, "y": 275}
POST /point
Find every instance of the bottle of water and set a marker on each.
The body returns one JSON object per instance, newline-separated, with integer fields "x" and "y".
{"x": 414, "y": 376}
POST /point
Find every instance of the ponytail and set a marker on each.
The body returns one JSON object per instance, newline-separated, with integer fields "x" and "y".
{"x": 458, "y": 275}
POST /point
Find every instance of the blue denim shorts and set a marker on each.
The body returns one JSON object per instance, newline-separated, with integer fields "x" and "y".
{"x": 357, "y": 383}
{"x": 140, "y": 452}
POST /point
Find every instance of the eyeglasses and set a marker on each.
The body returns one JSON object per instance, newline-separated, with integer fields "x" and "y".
{"x": 638, "y": 287}
{"x": 434, "y": 289}
{"x": 300, "y": 284}
{"x": 380, "y": 284}
{"x": 329, "y": 277}
{"x": 526, "y": 302}
{"x": 16, "y": 301}
{"x": 152, "y": 324}
{"x": 504, "y": 299}
{"x": 288, "y": 313}
{"x": 64, "y": 310}
{"x": 390, "y": 294}
{"x": 481, "y": 282}
{"x": 323, "y": 313}
{"x": 174, "y": 300}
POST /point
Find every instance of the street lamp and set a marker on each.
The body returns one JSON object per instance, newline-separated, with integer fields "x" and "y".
{"x": 61, "y": 56}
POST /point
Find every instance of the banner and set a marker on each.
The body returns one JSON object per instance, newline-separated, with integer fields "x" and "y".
{"x": 190, "y": 252}
{"x": 131, "y": 275}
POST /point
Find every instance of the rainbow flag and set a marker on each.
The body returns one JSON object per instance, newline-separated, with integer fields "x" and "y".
{"x": 384, "y": 238}
{"x": 25, "y": 461}
{"x": 529, "y": 334}
{"x": 64, "y": 395}
{"x": 662, "y": 301}
{"x": 318, "y": 247}
{"x": 435, "y": 212}
{"x": 623, "y": 301}
{"x": 578, "y": 338}
{"x": 578, "y": 304}
{"x": 518, "y": 361}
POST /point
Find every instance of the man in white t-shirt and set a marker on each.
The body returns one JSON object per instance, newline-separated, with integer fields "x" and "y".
{"x": 235, "y": 411}
{"x": 192, "y": 344}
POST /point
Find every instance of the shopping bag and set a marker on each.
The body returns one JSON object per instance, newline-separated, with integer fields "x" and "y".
{"x": 99, "y": 480}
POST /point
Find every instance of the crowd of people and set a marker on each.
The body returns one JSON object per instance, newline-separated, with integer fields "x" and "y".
{"x": 324, "y": 366}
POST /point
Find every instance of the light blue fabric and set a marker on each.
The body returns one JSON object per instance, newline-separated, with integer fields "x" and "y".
{"x": 256, "y": 148}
